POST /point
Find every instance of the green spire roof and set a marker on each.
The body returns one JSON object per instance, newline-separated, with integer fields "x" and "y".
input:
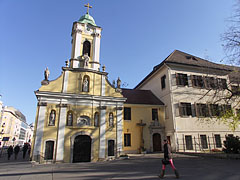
{"x": 87, "y": 19}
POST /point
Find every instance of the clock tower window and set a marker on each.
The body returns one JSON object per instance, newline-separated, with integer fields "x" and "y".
{"x": 86, "y": 48}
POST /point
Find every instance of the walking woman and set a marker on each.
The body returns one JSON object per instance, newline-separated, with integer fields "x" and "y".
{"x": 167, "y": 159}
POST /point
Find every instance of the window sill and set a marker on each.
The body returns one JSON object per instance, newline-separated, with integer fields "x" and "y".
{"x": 186, "y": 116}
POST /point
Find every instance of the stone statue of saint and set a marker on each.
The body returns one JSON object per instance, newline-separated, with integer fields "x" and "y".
{"x": 52, "y": 118}
{"x": 46, "y": 74}
{"x": 119, "y": 83}
{"x": 85, "y": 85}
{"x": 86, "y": 59}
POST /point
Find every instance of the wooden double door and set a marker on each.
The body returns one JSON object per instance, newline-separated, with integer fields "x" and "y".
{"x": 82, "y": 149}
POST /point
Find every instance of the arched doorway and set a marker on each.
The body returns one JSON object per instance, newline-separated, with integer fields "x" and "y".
{"x": 82, "y": 149}
{"x": 157, "y": 144}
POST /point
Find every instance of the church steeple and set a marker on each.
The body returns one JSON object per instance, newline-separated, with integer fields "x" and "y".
{"x": 85, "y": 43}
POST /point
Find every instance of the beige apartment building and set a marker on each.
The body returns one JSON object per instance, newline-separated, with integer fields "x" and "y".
{"x": 189, "y": 87}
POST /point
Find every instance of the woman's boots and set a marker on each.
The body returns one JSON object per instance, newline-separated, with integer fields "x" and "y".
{"x": 176, "y": 173}
{"x": 162, "y": 174}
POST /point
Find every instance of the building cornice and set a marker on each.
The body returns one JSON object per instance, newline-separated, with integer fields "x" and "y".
{"x": 69, "y": 96}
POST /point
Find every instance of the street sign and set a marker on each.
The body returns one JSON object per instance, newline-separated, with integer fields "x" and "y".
{"x": 5, "y": 138}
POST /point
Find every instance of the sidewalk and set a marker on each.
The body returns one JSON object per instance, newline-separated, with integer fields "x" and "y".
{"x": 4, "y": 157}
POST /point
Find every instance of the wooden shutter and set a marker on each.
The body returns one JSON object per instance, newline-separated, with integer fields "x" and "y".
{"x": 193, "y": 110}
{"x": 174, "y": 80}
{"x": 192, "y": 80}
{"x": 176, "y": 108}
{"x": 189, "y": 81}
{"x": 196, "y": 109}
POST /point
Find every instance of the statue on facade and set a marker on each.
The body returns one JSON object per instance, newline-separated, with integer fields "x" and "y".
{"x": 46, "y": 74}
{"x": 119, "y": 83}
{"x": 52, "y": 118}
{"x": 85, "y": 60}
{"x": 85, "y": 85}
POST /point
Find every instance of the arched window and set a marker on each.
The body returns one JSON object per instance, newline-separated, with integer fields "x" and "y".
{"x": 86, "y": 48}
{"x": 52, "y": 118}
{"x": 85, "y": 84}
{"x": 96, "y": 119}
{"x": 49, "y": 147}
{"x": 69, "y": 118}
{"x": 111, "y": 120}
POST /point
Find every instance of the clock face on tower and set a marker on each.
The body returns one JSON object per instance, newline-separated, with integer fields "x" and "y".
{"x": 88, "y": 29}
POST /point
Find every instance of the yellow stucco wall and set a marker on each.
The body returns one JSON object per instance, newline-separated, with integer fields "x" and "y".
{"x": 50, "y": 132}
{"x": 138, "y": 113}
{"x": 54, "y": 85}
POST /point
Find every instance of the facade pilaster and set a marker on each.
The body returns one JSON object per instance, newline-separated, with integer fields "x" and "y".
{"x": 102, "y": 141}
{"x": 61, "y": 132}
{"x": 39, "y": 131}
{"x": 119, "y": 129}
{"x": 96, "y": 49}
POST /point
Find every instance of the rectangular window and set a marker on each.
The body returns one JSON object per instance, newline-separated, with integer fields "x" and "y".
{"x": 211, "y": 82}
{"x": 189, "y": 144}
{"x": 214, "y": 109}
{"x": 204, "y": 141}
{"x": 218, "y": 140}
{"x": 182, "y": 79}
{"x": 127, "y": 113}
{"x": 185, "y": 109}
{"x": 163, "y": 81}
{"x": 127, "y": 140}
{"x": 154, "y": 114}
{"x": 226, "y": 108}
{"x": 222, "y": 83}
{"x": 202, "y": 110}
{"x": 197, "y": 81}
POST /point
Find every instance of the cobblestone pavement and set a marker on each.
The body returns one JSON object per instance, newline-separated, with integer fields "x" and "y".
{"x": 137, "y": 167}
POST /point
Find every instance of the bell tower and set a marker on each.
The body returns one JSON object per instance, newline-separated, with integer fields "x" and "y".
{"x": 86, "y": 37}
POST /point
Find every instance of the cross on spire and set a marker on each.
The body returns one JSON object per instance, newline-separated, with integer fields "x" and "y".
{"x": 88, "y": 6}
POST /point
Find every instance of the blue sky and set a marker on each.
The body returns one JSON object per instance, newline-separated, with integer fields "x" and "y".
{"x": 136, "y": 36}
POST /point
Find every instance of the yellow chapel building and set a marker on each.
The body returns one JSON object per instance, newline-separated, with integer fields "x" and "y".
{"x": 82, "y": 117}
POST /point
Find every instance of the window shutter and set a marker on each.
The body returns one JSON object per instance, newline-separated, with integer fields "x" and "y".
{"x": 192, "y": 80}
{"x": 196, "y": 109}
{"x": 177, "y": 112}
{"x": 174, "y": 80}
{"x": 189, "y": 81}
{"x": 193, "y": 106}
{"x": 205, "y": 80}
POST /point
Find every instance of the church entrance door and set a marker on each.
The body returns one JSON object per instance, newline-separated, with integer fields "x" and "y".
{"x": 82, "y": 149}
{"x": 157, "y": 144}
